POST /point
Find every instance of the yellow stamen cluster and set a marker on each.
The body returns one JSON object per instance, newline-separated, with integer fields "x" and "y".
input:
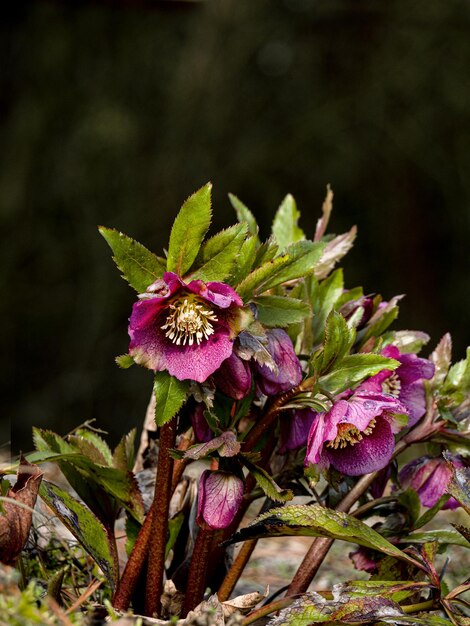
{"x": 349, "y": 435}
{"x": 392, "y": 385}
{"x": 188, "y": 322}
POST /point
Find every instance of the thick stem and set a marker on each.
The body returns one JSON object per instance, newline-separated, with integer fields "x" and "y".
{"x": 236, "y": 569}
{"x": 198, "y": 570}
{"x": 159, "y": 526}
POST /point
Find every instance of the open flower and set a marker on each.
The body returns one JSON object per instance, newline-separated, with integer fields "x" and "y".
{"x": 219, "y": 498}
{"x": 405, "y": 383}
{"x": 356, "y": 436}
{"x": 186, "y": 329}
{"x": 289, "y": 370}
{"x": 429, "y": 477}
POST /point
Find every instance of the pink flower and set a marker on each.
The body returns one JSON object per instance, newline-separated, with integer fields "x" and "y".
{"x": 219, "y": 498}
{"x": 405, "y": 383}
{"x": 186, "y": 329}
{"x": 356, "y": 436}
{"x": 233, "y": 377}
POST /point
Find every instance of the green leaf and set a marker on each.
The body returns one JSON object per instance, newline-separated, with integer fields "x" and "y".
{"x": 256, "y": 280}
{"x": 245, "y": 260}
{"x": 97, "y": 441}
{"x": 124, "y": 361}
{"x": 303, "y": 256}
{"x": 428, "y": 515}
{"x": 266, "y": 252}
{"x": 337, "y": 342}
{"x": 285, "y": 228}
{"x": 396, "y": 590}
{"x": 353, "y": 369}
{"x": 139, "y": 266}
{"x": 124, "y": 453}
{"x": 458, "y": 377}
{"x": 226, "y": 445}
{"x": 219, "y": 254}
{"x": 441, "y": 357}
{"x": 323, "y": 298}
{"x": 410, "y": 341}
{"x": 189, "y": 228}
{"x": 170, "y": 395}
{"x": 317, "y": 521}
{"x": 446, "y": 537}
{"x": 410, "y": 501}
{"x": 244, "y": 214}
{"x": 279, "y": 311}
{"x": 381, "y": 319}
{"x": 83, "y": 525}
{"x": 267, "y": 483}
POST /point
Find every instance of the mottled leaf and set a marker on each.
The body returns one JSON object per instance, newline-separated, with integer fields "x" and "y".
{"x": 279, "y": 311}
{"x": 139, "y": 266}
{"x": 189, "y": 228}
{"x": 317, "y": 521}
{"x": 84, "y": 526}
{"x": 285, "y": 225}
{"x": 441, "y": 357}
{"x": 459, "y": 486}
{"x": 170, "y": 394}
{"x": 327, "y": 207}
{"x": 252, "y": 346}
{"x": 396, "y": 590}
{"x": 447, "y": 537}
{"x": 410, "y": 341}
{"x": 219, "y": 254}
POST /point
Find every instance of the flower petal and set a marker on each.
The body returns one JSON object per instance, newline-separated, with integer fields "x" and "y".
{"x": 219, "y": 498}
{"x": 414, "y": 398}
{"x": 373, "y": 453}
{"x": 324, "y": 429}
{"x": 364, "y": 406}
{"x": 220, "y": 294}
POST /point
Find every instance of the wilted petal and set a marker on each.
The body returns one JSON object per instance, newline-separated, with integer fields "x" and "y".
{"x": 219, "y": 498}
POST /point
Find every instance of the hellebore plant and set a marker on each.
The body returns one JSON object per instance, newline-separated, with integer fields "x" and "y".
{"x": 273, "y": 381}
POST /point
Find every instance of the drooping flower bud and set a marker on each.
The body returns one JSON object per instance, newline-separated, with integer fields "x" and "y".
{"x": 289, "y": 370}
{"x": 366, "y": 303}
{"x": 233, "y": 377}
{"x": 202, "y": 430}
{"x": 295, "y": 428}
{"x": 429, "y": 477}
{"x": 219, "y": 498}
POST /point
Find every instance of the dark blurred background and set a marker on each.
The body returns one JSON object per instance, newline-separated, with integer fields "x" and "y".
{"x": 114, "y": 112}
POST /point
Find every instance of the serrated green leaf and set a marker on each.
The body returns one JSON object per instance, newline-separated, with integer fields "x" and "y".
{"x": 303, "y": 256}
{"x": 97, "y": 441}
{"x": 83, "y": 525}
{"x": 337, "y": 341}
{"x": 245, "y": 260}
{"x": 124, "y": 453}
{"x": 458, "y": 376}
{"x": 315, "y": 520}
{"x": 124, "y": 361}
{"x": 170, "y": 395}
{"x": 447, "y": 537}
{"x": 219, "y": 254}
{"x": 266, "y": 252}
{"x": 189, "y": 228}
{"x": 285, "y": 225}
{"x": 323, "y": 298}
{"x": 139, "y": 266}
{"x": 280, "y": 311}
{"x": 267, "y": 483}
{"x": 256, "y": 279}
{"x": 244, "y": 214}
{"x": 353, "y": 369}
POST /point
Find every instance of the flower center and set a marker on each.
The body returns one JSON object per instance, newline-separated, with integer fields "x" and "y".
{"x": 349, "y": 435}
{"x": 392, "y": 385}
{"x": 188, "y": 321}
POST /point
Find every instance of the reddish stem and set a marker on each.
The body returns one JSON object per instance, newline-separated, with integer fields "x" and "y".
{"x": 159, "y": 524}
{"x": 197, "y": 572}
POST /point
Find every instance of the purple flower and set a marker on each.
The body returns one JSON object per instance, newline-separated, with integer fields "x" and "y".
{"x": 201, "y": 428}
{"x": 219, "y": 498}
{"x": 289, "y": 370}
{"x": 233, "y": 377}
{"x": 356, "y": 436}
{"x": 405, "y": 383}
{"x": 187, "y": 329}
{"x": 429, "y": 477}
{"x": 295, "y": 429}
{"x": 349, "y": 308}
